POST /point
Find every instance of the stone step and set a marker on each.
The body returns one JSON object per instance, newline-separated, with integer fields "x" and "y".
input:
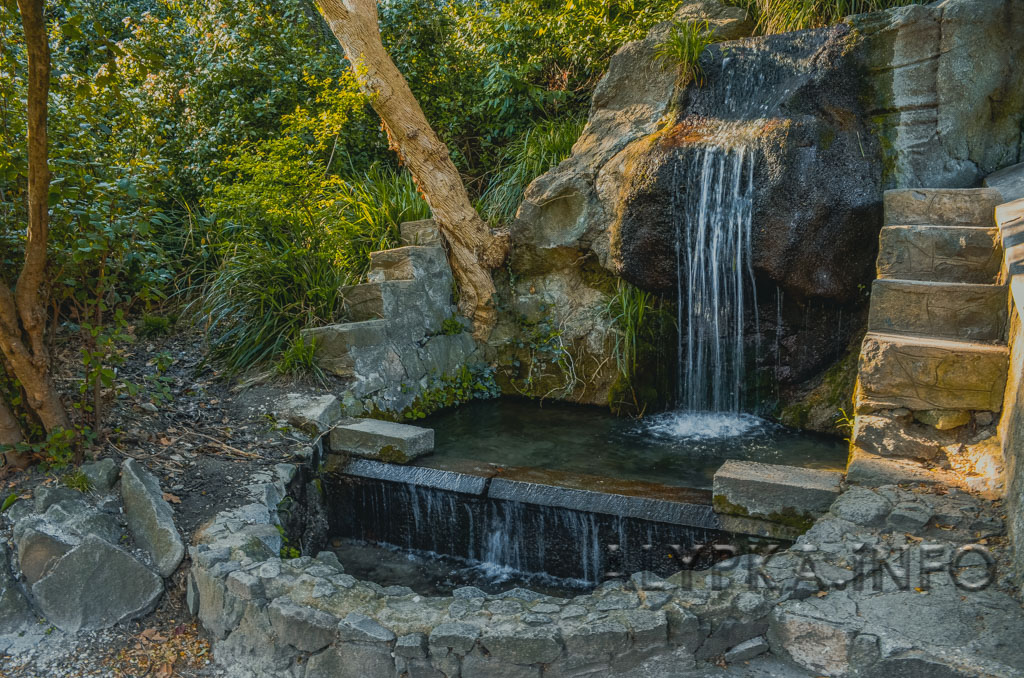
{"x": 1010, "y": 220}
{"x": 423, "y": 232}
{"x": 921, "y": 373}
{"x": 411, "y": 262}
{"x": 382, "y": 440}
{"x": 1008, "y": 181}
{"x": 337, "y": 345}
{"x": 368, "y": 301}
{"x": 943, "y": 206}
{"x": 969, "y": 254}
{"x": 939, "y": 309}
{"x": 872, "y": 470}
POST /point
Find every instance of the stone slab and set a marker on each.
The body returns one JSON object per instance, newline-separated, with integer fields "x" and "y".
{"x": 368, "y": 301}
{"x": 1009, "y": 181}
{"x": 423, "y": 232}
{"x": 438, "y": 479}
{"x": 785, "y": 494}
{"x": 335, "y": 343}
{"x": 967, "y": 254}
{"x": 872, "y": 470}
{"x": 312, "y": 413}
{"x": 939, "y": 309}
{"x": 150, "y": 517}
{"x": 382, "y": 440}
{"x": 1010, "y": 219}
{"x": 930, "y": 374}
{"x": 941, "y": 206}
{"x": 675, "y": 513}
{"x": 411, "y": 262}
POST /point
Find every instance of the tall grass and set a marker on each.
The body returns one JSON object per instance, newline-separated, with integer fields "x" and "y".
{"x": 781, "y": 16}
{"x": 542, "y": 147}
{"x": 282, "y": 274}
{"x": 683, "y": 47}
{"x": 631, "y": 310}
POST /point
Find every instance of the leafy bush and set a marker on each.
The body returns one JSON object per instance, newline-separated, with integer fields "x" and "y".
{"x": 538, "y": 150}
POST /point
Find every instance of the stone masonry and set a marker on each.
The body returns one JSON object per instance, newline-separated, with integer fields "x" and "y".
{"x": 933, "y": 366}
{"x": 403, "y": 332}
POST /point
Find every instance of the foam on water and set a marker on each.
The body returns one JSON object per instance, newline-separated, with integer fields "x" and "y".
{"x": 705, "y": 426}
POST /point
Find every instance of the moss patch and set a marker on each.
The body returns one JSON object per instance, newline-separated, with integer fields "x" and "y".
{"x": 788, "y": 516}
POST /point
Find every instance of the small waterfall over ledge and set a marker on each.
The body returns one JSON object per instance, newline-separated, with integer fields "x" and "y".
{"x": 716, "y": 279}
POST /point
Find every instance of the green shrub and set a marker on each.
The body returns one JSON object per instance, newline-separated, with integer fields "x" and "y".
{"x": 683, "y": 47}
{"x": 535, "y": 152}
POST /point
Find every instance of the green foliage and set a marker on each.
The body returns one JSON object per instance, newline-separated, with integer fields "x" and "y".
{"x": 153, "y": 325}
{"x": 452, "y": 326}
{"x": 683, "y": 47}
{"x": 76, "y": 480}
{"x": 780, "y": 16}
{"x": 469, "y": 383}
{"x": 641, "y": 321}
{"x": 297, "y": 359}
{"x": 540, "y": 148}
{"x": 9, "y": 501}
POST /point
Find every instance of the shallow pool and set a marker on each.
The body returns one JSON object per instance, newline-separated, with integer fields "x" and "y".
{"x": 672, "y": 448}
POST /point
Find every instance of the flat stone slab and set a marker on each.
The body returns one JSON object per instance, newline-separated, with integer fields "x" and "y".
{"x": 930, "y": 374}
{"x": 420, "y": 476}
{"x": 967, "y": 254}
{"x": 1010, "y": 219}
{"x": 941, "y": 206}
{"x": 382, "y": 440}
{"x": 312, "y": 413}
{"x": 368, "y": 301}
{"x": 939, "y": 309}
{"x": 96, "y": 585}
{"x": 150, "y": 517}
{"x": 872, "y": 470}
{"x": 1009, "y": 181}
{"x": 784, "y": 494}
{"x": 423, "y": 232}
{"x": 335, "y": 343}
{"x": 411, "y": 262}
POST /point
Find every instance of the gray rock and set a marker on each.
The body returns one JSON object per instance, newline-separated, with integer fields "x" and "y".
{"x": 412, "y": 645}
{"x": 909, "y": 516}
{"x": 534, "y": 645}
{"x": 477, "y": 666}
{"x": 1008, "y": 181}
{"x": 38, "y": 552}
{"x": 747, "y": 650}
{"x": 358, "y": 627}
{"x": 102, "y": 474}
{"x": 861, "y": 506}
{"x": 648, "y": 581}
{"x": 15, "y": 612}
{"x": 458, "y": 637}
{"x": 311, "y": 413}
{"x": 45, "y": 497}
{"x": 150, "y": 517}
{"x": 351, "y": 660}
{"x": 729, "y": 634}
{"x": 595, "y": 642}
{"x": 96, "y": 585}
{"x": 304, "y": 628}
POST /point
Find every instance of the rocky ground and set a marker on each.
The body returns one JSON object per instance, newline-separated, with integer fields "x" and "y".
{"x": 202, "y": 437}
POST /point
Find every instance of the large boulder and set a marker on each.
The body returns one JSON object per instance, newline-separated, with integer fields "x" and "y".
{"x": 96, "y": 585}
{"x": 827, "y": 119}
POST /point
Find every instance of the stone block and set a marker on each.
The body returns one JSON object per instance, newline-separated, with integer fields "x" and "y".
{"x": 382, "y": 440}
{"x": 304, "y": 628}
{"x": 1010, "y": 220}
{"x": 746, "y": 650}
{"x": 351, "y": 660}
{"x": 784, "y": 494}
{"x": 102, "y": 474}
{"x": 459, "y": 637}
{"x": 407, "y": 263}
{"x": 861, "y": 506}
{"x": 412, "y": 645}
{"x": 729, "y": 634}
{"x": 888, "y": 436}
{"x": 941, "y": 206}
{"x": 1009, "y": 181}
{"x": 595, "y": 642}
{"x": 150, "y": 517}
{"x": 359, "y": 628}
{"x": 335, "y": 344}
{"x": 477, "y": 666}
{"x": 930, "y": 374}
{"x": 939, "y": 309}
{"x": 311, "y": 413}
{"x": 818, "y": 645}
{"x": 96, "y": 585}
{"x": 872, "y": 470}
{"x": 966, "y": 254}
{"x": 517, "y": 645}
{"x": 423, "y": 232}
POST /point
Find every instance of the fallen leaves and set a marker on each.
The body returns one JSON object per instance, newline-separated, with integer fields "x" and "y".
{"x": 174, "y": 499}
{"x": 163, "y": 652}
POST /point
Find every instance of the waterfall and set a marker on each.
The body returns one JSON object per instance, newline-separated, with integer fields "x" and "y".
{"x": 715, "y": 278}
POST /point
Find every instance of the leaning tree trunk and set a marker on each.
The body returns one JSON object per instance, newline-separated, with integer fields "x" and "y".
{"x": 23, "y": 313}
{"x": 472, "y": 249}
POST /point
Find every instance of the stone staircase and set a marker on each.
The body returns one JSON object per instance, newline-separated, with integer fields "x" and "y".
{"x": 397, "y": 338}
{"x": 934, "y": 362}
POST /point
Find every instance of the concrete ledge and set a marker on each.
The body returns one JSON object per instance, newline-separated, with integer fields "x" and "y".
{"x": 418, "y": 475}
{"x": 781, "y": 494}
{"x": 382, "y": 440}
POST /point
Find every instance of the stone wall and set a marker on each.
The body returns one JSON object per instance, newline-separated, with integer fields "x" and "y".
{"x": 1011, "y": 429}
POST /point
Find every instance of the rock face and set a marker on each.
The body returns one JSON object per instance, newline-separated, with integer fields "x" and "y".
{"x": 95, "y": 586}
{"x": 829, "y": 118}
{"x": 150, "y": 517}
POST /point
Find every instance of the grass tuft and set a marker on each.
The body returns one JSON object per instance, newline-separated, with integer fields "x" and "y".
{"x": 683, "y": 47}
{"x": 782, "y": 16}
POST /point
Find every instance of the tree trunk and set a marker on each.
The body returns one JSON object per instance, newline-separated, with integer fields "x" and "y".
{"x": 472, "y": 249}
{"x": 10, "y": 435}
{"x": 23, "y": 313}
